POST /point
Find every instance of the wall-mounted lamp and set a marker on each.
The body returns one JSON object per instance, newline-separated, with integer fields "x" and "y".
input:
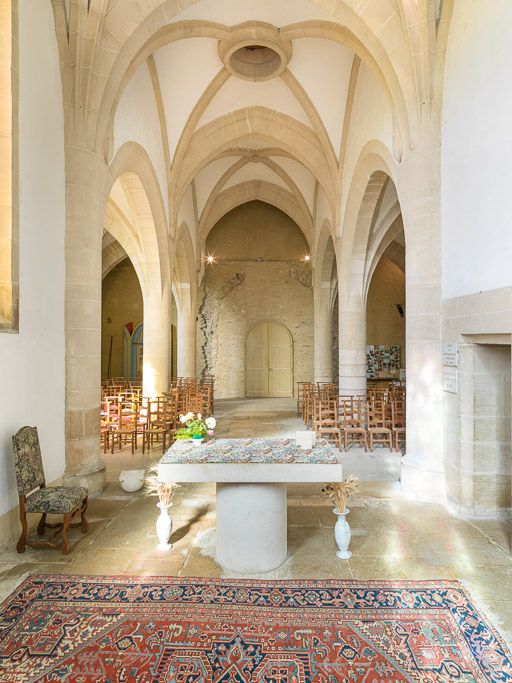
{"x": 307, "y": 258}
{"x": 210, "y": 260}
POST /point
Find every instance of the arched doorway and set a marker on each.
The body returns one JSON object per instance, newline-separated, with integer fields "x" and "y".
{"x": 269, "y": 361}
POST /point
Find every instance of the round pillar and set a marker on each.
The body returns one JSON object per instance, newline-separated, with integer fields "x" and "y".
{"x": 422, "y": 474}
{"x": 85, "y": 209}
{"x": 251, "y": 527}
{"x": 322, "y": 331}
{"x": 186, "y": 342}
{"x": 352, "y": 344}
{"x": 155, "y": 373}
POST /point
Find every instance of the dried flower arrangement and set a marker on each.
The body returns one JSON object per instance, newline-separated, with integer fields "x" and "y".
{"x": 341, "y": 491}
{"x": 153, "y": 487}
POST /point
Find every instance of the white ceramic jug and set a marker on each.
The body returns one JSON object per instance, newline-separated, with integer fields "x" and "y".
{"x": 131, "y": 480}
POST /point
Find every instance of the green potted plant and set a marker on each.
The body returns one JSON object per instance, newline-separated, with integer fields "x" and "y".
{"x": 195, "y": 428}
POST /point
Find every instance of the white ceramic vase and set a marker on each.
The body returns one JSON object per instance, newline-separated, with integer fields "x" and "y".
{"x": 197, "y": 442}
{"x": 131, "y": 480}
{"x": 342, "y": 534}
{"x": 164, "y": 527}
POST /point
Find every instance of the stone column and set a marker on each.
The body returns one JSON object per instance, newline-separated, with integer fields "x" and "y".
{"x": 352, "y": 342}
{"x": 157, "y": 331}
{"x": 187, "y": 341}
{"x": 322, "y": 331}
{"x": 422, "y": 474}
{"x": 86, "y": 175}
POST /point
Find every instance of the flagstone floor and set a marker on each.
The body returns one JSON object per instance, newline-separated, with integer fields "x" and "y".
{"x": 392, "y": 537}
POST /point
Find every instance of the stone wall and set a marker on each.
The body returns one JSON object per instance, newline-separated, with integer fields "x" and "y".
{"x": 236, "y": 297}
{"x": 258, "y": 276}
{"x": 477, "y": 418}
{"x": 384, "y": 325}
{"x": 121, "y": 304}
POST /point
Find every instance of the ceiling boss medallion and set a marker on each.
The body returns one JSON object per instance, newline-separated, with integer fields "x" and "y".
{"x": 255, "y": 52}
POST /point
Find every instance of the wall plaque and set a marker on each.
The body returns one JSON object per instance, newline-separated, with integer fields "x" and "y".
{"x": 451, "y": 354}
{"x": 450, "y": 379}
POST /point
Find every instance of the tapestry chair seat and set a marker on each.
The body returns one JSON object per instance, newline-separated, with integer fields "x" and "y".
{"x": 56, "y": 499}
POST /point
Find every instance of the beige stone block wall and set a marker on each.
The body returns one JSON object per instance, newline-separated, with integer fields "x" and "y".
{"x": 121, "y": 304}
{"x": 239, "y": 295}
{"x": 384, "y": 325}
{"x": 254, "y": 231}
{"x": 259, "y": 275}
{"x": 478, "y": 419}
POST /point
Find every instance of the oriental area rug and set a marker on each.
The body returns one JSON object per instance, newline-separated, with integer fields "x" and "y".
{"x": 170, "y": 630}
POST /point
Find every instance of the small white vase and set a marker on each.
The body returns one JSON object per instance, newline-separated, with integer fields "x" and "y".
{"x": 164, "y": 527}
{"x": 342, "y": 534}
{"x": 131, "y": 480}
{"x": 197, "y": 442}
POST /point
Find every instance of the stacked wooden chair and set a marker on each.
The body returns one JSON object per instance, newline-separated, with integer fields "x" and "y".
{"x": 353, "y": 421}
{"x": 378, "y": 427}
{"x": 127, "y": 416}
{"x": 377, "y": 418}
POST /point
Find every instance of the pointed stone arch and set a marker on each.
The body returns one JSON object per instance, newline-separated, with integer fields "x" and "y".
{"x": 248, "y": 191}
{"x": 133, "y": 164}
{"x": 184, "y": 285}
{"x": 325, "y": 288}
{"x": 280, "y": 130}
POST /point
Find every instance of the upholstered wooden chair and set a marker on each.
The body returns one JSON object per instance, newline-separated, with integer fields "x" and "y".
{"x": 35, "y": 497}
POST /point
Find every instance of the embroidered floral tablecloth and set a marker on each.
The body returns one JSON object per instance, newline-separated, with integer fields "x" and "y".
{"x": 273, "y": 451}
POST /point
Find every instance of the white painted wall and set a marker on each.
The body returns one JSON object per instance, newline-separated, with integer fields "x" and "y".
{"x": 32, "y": 362}
{"x": 185, "y": 69}
{"x": 136, "y": 120}
{"x": 315, "y": 56}
{"x": 270, "y": 11}
{"x": 239, "y": 94}
{"x": 371, "y": 120}
{"x": 477, "y": 149}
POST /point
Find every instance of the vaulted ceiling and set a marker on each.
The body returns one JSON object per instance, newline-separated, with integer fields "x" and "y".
{"x": 240, "y": 100}
{"x": 258, "y": 107}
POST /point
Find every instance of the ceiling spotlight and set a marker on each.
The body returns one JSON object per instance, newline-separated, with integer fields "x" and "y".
{"x": 210, "y": 259}
{"x": 307, "y": 258}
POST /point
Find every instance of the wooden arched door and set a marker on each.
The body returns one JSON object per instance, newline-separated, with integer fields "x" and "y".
{"x": 269, "y": 361}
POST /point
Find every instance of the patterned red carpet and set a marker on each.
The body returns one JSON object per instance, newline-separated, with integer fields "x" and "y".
{"x": 160, "y": 630}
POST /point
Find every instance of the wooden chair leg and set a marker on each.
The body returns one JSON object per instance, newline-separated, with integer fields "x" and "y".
{"x": 42, "y": 524}
{"x": 20, "y": 546}
{"x": 65, "y": 526}
{"x": 84, "y": 526}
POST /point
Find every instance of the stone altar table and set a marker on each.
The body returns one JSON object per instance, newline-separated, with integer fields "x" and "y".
{"x": 251, "y": 477}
